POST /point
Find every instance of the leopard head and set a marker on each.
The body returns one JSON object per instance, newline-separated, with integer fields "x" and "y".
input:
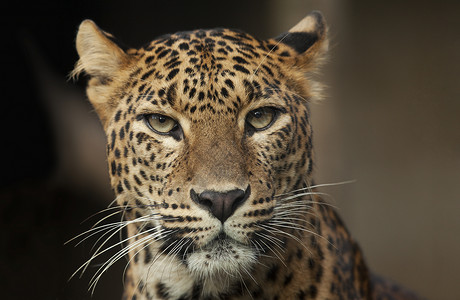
{"x": 205, "y": 130}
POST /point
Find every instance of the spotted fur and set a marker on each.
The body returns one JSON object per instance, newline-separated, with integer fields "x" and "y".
{"x": 188, "y": 236}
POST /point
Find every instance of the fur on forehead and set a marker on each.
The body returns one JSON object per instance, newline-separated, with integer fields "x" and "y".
{"x": 102, "y": 58}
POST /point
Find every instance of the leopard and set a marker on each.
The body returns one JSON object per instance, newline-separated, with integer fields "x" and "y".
{"x": 211, "y": 161}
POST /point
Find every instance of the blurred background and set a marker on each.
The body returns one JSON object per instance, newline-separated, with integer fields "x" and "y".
{"x": 390, "y": 123}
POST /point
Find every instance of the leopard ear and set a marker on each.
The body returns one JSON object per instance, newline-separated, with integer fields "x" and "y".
{"x": 307, "y": 39}
{"x": 101, "y": 58}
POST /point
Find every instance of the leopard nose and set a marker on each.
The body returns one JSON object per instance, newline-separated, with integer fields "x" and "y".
{"x": 221, "y": 204}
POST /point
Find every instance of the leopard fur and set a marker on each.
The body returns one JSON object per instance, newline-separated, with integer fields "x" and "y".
{"x": 217, "y": 207}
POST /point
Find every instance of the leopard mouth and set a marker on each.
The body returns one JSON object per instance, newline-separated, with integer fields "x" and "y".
{"x": 222, "y": 255}
{"x": 221, "y": 246}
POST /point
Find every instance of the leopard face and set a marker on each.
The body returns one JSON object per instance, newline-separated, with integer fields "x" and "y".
{"x": 206, "y": 130}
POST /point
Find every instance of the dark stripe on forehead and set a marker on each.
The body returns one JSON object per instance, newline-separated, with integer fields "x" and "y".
{"x": 171, "y": 94}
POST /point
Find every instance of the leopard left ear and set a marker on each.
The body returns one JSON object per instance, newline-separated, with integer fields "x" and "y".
{"x": 307, "y": 40}
{"x": 101, "y": 58}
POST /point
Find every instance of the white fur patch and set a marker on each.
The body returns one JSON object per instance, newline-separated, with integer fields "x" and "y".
{"x": 221, "y": 264}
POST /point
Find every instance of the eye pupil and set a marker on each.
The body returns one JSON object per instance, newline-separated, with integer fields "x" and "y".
{"x": 161, "y": 124}
{"x": 261, "y": 118}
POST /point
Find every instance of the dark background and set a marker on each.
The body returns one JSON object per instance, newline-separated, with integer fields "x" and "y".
{"x": 390, "y": 122}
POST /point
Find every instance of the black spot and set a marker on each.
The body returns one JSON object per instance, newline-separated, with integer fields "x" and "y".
{"x": 313, "y": 291}
{"x": 319, "y": 273}
{"x": 172, "y": 63}
{"x": 241, "y": 69}
{"x": 141, "y": 286}
{"x": 163, "y": 53}
{"x": 257, "y": 293}
{"x": 138, "y": 181}
{"x": 113, "y": 167}
{"x": 230, "y": 38}
{"x": 171, "y": 94}
{"x": 148, "y": 255}
{"x": 143, "y": 175}
{"x": 162, "y": 291}
{"x": 271, "y": 275}
{"x": 184, "y": 46}
{"x": 192, "y": 93}
{"x": 172, "y": 74}
{"x": 149, "y": 59}
{"x": 117, "y": 116}
{"x": 299, "y": 253}
{"x": 269, "y": 71}
{"x": 311, "y": 263}
{"x": 141, "y": 88}
{"x": 288, "y": 279}
{"x": 285, "y": 54}
{"x": 119, "y": 188}
{"x": 229, "y": 83}
{"x": 240, "y": 60}
{"x": 196, "y": 292}
{"x": 147, "y": 74}
{"x": 224, "y": 92}
{"x": 223, "y": 51}
{"x": 119, "y": 169}
{"x": 113, "y": 136}
{"x": 127, "y": 184}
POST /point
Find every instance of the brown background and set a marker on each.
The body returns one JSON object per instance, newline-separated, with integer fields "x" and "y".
{"x": 390, "y": 123}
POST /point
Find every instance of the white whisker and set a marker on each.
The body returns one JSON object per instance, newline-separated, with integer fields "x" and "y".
{"x": 317, "y": 186}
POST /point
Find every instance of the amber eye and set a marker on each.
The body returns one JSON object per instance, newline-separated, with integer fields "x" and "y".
{"x": 161, "y": 124}
{"x": 261, "y": 118}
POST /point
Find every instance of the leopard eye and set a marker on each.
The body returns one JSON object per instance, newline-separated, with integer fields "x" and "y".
{"x": 261, "y": 118}
{"x": 161, "y": 124}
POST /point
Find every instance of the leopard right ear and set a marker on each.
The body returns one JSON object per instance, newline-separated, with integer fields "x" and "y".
{"x": 308, "y": 41}
{"x": 101, "y": 58}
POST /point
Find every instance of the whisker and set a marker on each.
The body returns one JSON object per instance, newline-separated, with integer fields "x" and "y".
{"x": 304, "y": 194}
{"x": 115, "y": 258}
{"x": 100, "y": 212}
{"x": 91, "y": 232}
{"x": 266, "y": 56}
{"x": 275, "y": 252}
{"x": 123, "y": 252}
{"x": 317, "y": 186}
{"x": 288, "y": 235}
{"x": 98, "y": 252}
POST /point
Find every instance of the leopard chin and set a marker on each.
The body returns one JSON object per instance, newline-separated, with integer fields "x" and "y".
{"x": 222, "y": 257}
